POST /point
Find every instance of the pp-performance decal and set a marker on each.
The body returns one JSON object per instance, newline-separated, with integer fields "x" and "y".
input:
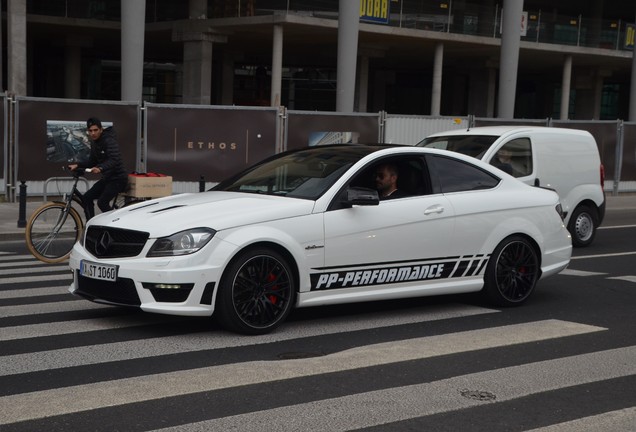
{"x": 456, "y": 267}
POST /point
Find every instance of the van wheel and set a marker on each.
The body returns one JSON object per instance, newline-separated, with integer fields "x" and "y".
{"x": 583, "y": 225}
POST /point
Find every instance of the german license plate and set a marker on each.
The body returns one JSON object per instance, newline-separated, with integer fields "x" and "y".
{"x": 105, "y": 272}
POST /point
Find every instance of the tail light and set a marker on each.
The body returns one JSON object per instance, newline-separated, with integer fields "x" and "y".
{"x": 602, "y": 177}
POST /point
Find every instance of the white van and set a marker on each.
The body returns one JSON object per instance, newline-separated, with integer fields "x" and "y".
{"x": 566, "y": 160}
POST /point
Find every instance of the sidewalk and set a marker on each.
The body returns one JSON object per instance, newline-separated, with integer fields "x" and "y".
{"x": 10, "y": 212}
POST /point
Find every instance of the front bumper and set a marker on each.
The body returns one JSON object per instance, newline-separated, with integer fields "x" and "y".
{"x": 184, "y": 285}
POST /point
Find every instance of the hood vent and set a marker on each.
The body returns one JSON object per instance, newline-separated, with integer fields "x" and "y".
{"x": 142, "y": 207}
{"x": 167, "y": 208}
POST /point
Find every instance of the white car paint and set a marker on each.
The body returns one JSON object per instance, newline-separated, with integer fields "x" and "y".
{"x": 437, "y": 243}
{"x": 566, "y": 160}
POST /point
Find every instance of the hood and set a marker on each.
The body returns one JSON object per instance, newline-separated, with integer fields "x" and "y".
{"x": 217, "y": 210}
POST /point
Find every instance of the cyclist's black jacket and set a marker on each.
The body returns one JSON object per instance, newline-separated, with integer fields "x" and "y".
{"x": 106, "y": 156}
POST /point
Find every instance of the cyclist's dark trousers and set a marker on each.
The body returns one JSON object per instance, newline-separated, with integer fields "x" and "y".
{"x": 103, "y": 191}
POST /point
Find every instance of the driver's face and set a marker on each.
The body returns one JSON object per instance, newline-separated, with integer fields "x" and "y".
{"x": 384, "y": 180}
{"x": 94, "y": 132}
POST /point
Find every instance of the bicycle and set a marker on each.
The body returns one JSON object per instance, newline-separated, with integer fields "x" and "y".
{"x": 55, "y": 227}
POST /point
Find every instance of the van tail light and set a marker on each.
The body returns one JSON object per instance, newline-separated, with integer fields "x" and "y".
{"x": 602, "y": 177}
{"x": 559, "y": 210}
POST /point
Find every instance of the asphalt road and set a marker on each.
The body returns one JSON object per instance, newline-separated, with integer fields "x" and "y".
{"x": 565, "y": 361}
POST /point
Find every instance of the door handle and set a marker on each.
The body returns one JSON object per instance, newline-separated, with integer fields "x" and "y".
{"x": 434, "y": 209}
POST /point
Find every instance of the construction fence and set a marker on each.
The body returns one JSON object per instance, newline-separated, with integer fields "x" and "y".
{"x": 201, "y": 144}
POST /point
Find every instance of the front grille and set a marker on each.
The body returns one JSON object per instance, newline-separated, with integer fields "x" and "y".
{"x": 106, "y": 242}
{"x": 121, "y": 292}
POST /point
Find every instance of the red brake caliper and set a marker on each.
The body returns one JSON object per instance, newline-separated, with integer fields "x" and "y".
{"x": 272, "y": 297}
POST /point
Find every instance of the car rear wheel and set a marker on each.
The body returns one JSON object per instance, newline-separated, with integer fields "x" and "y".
{"x": 256, "y": 292}
{"x": 583, "y": 225}
{"x": 512, "y": 272}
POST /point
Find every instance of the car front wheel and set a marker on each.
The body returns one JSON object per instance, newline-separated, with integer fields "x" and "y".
{"x": 512, "y": 272}
{"x": 583, "y": 226}
{"x": 256, "y": 292}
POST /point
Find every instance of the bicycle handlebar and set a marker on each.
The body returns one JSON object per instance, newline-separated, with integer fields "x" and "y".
{"x": 77, "y": 171}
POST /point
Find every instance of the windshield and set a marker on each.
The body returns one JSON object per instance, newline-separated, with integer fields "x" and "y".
{"x": 305, "y": 174}
{"x": 471, "y": 145}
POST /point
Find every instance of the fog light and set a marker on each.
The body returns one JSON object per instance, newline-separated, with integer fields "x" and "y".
{"x": 166, "y": 286}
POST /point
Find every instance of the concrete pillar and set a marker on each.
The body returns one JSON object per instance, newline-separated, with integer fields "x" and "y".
{"x": 197, "y": 60}
{"x": 565, "y": 87}
{"x": 348, "y": 25}
{"x": 436, "y": 92}
{"x": 17, "y": 47}
{"x": 197, "y": 71}
{"x": 198, "y": 39}
{"x": 363, "y": 84}
{"x": 72, "y": 71}
{"x": 277, "y": 66}
{"x": 133, "y": 24}
{"x": 509, "y": 57}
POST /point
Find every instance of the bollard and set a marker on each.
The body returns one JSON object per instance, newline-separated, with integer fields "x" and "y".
{"x": 23, "y": 200}
{"x": 201, "y": 184}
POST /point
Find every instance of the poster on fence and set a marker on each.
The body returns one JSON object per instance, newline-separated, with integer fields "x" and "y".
{"x": 49, "y": 132}
{"x": 67, "y": 141}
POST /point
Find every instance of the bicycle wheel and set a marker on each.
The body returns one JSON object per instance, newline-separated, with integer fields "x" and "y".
{"x": 51, "y": 232}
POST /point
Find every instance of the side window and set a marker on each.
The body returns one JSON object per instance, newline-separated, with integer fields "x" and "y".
{"x": 411, "y": 175}
{"x": 452, "y": 175}
{"x": 514, "y": 157}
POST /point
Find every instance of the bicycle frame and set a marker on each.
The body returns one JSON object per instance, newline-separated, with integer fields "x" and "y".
{"x": 74, "y": 195}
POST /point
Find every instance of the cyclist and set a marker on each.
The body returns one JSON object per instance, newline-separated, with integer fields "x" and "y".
{"x": 105, "y": 159}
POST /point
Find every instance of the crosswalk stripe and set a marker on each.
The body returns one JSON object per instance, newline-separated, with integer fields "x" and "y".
{"x": 33, "y": 292}
{"x": 609, "y": 255}
{"x": 78, "y": 326}
{"x": 383, "y": 407}
{"x": 150, "y": 347}
{"x": 51, "y": 269}
{"x": 25, "y": 279}
{"x": 625, "y": 278}
{"x": 614, "y": 421}
{"x": 5, "y": 264}
{"x": 572, "y": 272}
{"x": 616, "y": 227}
{"x": 43, "y": 308}
{"x": 11, "y": 256}
{"x": 79, "y": 398}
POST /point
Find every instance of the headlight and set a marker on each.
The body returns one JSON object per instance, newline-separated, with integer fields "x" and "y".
{"x": 181, "y": 243}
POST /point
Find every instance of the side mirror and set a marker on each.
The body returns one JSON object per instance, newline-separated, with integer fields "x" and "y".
{"x": 361, "y": 196}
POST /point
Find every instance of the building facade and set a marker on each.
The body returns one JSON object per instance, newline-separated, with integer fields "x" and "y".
{"x": 575, "y": 58}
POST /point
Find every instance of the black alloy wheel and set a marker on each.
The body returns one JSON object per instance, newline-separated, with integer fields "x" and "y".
{"x": 256, "y": 292}
{"x": 512, "y": 272}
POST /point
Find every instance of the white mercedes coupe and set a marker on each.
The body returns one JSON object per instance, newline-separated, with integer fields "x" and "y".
{"x": 307, "y": 227}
